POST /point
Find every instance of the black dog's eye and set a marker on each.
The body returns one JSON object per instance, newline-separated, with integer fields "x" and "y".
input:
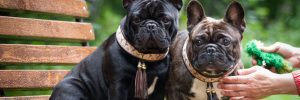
{"x": 136, "y": 20}
{"x": 225, "y": 41}
{"x": 166, "y": 20}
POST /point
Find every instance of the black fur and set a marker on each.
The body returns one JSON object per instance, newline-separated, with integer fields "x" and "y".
{"x": 109, "y": 72}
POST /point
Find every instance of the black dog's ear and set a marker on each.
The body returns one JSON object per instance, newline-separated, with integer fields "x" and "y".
{"x": 126, "y": 3}
{"x": 235, "y": 16}
{"x": 177, "y": 3}
{"x": 195, "y": 14}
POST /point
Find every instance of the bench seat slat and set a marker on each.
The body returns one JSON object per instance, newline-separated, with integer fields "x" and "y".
{"x": 29, "y": 79}
{"x": 45, "y": 29}
{"x": 42, "y": 54}
{"x": 76, "y": 8}
{"x": 46, "y": 97}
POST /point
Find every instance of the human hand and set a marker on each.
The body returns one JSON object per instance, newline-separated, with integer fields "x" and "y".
{"x": 290, "y": 53}
{"x": 256, "y": 83}
{"x": 254, "y": 63}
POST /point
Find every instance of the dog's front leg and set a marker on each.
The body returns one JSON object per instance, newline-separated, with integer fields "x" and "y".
{"x": 118, "y": 91}
{"x": 176, "y": 95}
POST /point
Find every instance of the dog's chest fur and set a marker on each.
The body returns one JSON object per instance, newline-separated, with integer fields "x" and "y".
{"x": 199, "y": 90}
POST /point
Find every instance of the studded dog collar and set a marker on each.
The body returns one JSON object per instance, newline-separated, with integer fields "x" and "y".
{"x": 132, "y": 51}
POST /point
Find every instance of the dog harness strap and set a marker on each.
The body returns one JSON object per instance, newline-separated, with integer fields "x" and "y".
{"x": 132, "y": 51}
{"x": 141, "y": 82}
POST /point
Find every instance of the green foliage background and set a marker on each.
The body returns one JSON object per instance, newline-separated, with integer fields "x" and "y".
{"x": 267, "y": 20}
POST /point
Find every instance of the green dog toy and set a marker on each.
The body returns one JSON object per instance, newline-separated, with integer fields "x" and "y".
{"x": 268, "y": 59}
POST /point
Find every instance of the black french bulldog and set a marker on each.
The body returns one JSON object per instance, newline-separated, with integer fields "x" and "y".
{"x": 213, "y": 48}
{"x": 109, "y": 72}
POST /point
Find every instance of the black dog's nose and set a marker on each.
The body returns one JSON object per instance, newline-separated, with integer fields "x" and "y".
{"x": 211, "y": 50}
{"x": 151, "y": 26}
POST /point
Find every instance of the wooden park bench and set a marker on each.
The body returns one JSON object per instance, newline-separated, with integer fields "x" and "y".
{"x": 24, "y": 29}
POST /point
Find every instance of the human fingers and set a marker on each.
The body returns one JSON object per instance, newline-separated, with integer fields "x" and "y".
{"x": 254, "y": 62}
{"x": 235, "y": 79}
{"x": 233, "y": 87}
{"x": 241, "y": 98}
{"x": 284, "y": 50}
{"x": 295, "y": 61}
{"x": 237, "y": 98}
{"x": 272, "y": 48}
{"x": 273, "y": 69}
{"x": 233, "y": 93}
{"x": 247, "y": 71}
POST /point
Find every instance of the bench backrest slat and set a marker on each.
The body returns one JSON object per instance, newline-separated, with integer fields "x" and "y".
{"x": 35, "y": 54}
{"x": 45, "y": 29}
{"x": 24, "y": 29}
{"x": 26, "y": 79}
{"x": 76, "y": 8}
{"x": 26, "y": 98}
{"x": 41, "y": 54}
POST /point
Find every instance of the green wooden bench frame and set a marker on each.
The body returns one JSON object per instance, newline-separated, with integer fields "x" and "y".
{"x": 38, "y": 29}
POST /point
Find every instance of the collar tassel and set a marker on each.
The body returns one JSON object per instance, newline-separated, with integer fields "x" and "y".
{"x": 211, "y": 92}
{"x": 141, "y": 82}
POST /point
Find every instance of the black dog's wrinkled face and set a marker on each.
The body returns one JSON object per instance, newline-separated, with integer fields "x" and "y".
{"x": 151, "y": 25}
{"x": 214, "y": 46}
